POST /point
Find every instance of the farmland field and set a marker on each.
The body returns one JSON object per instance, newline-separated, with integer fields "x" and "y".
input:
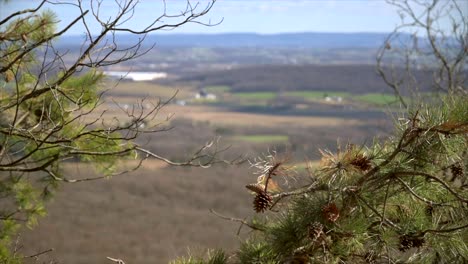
{"x": 376, "y": 98}
{"x": 316, "y": 95}
{"x": 142, "y": 89}
{"x": 256, "y": 95}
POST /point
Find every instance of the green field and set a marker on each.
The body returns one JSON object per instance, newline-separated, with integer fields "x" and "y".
{"x": 376, "y": 98}
{"x": 368, "y": 98}
{"x": 217, "y": 89}
{"x": 258, "y": 103}
{"x": 379, "y": 99}
{"x": 314, "y": 95}
{"x": 244, "y": 98}
{"x": 256, "y": 95}
{"x": 262, "y": 138}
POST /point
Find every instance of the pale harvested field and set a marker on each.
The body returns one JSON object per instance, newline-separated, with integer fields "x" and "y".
{"x": 125, "y": 88}
{"x": 216, "y": 116}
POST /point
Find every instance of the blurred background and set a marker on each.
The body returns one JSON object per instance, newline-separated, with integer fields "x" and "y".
{"x": 260, "y": 76}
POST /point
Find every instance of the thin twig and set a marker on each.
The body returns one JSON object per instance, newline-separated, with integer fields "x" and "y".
{"x": 243, "y": 222}
{"x": 311, "y": 188}
{"x": 427, "y": 175}
{"x": 377, "y": 213}
{"x": 40, "y": 253}
{"x": 415, "y": 194}
{"x": 444, "y": 230}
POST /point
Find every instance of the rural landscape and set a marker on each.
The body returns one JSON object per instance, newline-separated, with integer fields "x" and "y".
{"x": 153, "y": 166}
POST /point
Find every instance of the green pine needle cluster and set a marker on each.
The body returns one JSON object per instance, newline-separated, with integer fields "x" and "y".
{"x": 42, "y": 125}
{"x": 404, "y": 207}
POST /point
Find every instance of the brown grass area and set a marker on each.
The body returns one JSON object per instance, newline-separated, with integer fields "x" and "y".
{"x": 156, "y": 213}
{"x": 149, "y": 216}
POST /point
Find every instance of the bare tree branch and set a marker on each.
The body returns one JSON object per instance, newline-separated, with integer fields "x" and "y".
{"x": 5, "y": 20}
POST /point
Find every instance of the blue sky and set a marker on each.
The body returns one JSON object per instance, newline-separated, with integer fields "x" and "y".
{"x": 259, "y": 16}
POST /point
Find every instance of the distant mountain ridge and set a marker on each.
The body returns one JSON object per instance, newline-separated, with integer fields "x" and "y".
{"x": 230, "y": 40}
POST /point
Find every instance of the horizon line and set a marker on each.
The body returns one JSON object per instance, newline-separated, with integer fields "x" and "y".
{"x": 251, "y": 33}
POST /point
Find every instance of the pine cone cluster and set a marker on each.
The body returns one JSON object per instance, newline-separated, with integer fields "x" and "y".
{"x": 262, "y": 202}
{"x": 457, "y": 171}
{"x": 330, "y": 212}
{"x": 361, "y": 162}
{"x": 408, "y": 241}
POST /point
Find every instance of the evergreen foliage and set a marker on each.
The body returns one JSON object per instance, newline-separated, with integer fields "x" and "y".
{"x": 403, "y": 208}
{"x": 38, "y": 133}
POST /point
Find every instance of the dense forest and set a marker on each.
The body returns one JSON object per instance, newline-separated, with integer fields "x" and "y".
{"x": 278, "y": 78}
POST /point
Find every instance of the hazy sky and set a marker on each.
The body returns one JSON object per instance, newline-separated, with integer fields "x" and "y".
{"x": 259, "y": 16}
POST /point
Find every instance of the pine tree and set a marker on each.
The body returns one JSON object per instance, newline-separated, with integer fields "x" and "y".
{"x": 49, "y": 105}
{"x": 391, "y": 202}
